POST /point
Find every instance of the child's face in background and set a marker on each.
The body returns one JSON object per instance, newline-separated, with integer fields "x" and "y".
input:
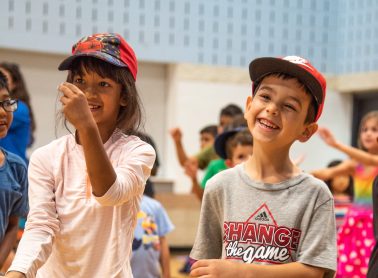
{"x": 103, "y": 97}
{"x": 224, "y": 120}
{"x": 206, "y": 140}
{"x": 339, "y": 184}
{"x": 369, "y": 134}
{"x": 6, "y": 118}
{"x": 240, "y": 154}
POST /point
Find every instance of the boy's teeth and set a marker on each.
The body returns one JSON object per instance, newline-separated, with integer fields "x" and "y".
{"x": 268, "y": 124}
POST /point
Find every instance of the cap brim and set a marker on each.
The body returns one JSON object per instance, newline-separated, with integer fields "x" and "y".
{"x": 67, "y": 63}
{"x": 261, "y": 67}
{"x": 221, "y": 140}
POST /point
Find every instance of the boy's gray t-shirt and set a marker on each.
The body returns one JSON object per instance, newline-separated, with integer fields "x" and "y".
{"x": 255, "y": 222}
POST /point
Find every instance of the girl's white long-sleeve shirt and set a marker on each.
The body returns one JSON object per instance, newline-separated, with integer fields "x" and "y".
{"x": 69, "y": 231}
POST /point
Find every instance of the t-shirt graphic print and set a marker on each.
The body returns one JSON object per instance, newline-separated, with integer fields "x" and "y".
{"x": 260, "y": 239}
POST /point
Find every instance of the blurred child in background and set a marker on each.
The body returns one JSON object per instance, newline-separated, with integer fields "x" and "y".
{"x": 233, "y": 147}
{"x": 20, "y": 135}
{"x": 341, "y": 188}
{"x": 13, "y": 179}
{"x": 355, "y": 238}
{"x": 151, "y": 257}
{"x": 206, "y": 153}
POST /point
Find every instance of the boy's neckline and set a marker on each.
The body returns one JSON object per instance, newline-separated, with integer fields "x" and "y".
{"x": 265, "y": 185}
{"x": 268, "y": 174}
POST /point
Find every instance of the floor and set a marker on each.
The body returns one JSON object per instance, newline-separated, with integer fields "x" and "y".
{"x": 177, "y": 262}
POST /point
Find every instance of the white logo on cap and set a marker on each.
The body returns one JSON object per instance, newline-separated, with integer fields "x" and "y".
{"x": 297, "y": 60}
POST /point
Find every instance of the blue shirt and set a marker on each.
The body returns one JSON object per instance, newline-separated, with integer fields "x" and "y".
{"x": 13, "y": 190}
{"x": 18, "y": 137}
{"x": 153, "y": 222}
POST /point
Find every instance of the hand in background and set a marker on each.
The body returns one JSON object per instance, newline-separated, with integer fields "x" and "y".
{"x": 299, "y": 159}
{"x": 327, "y": 136}
{"x": 176, "y": 134}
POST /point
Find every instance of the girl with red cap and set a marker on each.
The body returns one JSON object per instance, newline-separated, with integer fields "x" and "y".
{"x": 86, "y": 187}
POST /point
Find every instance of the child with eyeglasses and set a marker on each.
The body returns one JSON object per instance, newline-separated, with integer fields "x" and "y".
{"x": 13, "y": 179}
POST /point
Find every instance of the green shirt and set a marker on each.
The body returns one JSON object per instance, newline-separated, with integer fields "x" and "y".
{"x": 214, "y": 168}
{"x": 205, "y": 156}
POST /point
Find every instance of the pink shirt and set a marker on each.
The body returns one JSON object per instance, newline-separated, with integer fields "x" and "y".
{"x": 70, "y": 233}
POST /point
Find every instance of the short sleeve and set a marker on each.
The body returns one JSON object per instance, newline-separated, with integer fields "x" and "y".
{"x": 318, "y": 246}
{"x": 21, "y": 207}
{"x": 163, "y": 221}
{"x": 133, "y": 169}
{"x": 208, "y": 242}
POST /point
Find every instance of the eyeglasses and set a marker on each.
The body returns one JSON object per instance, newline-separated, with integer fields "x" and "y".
{"x": 9, "y": 105}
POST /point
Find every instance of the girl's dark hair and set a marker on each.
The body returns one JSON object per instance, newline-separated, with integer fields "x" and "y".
{"x": 349, "y": 190}
{"x": 3, "y": 82}
{"x": 130, "y": 117}
{"x": 312, "y": 108}
{"x": 20, "y": 92}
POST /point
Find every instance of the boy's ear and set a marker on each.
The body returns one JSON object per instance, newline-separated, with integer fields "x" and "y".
{"x": 248, "y": 104}
{"x": 308, "y": 132}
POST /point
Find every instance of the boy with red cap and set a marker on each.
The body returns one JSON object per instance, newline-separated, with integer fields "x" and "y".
{"x": 266, "y": 212}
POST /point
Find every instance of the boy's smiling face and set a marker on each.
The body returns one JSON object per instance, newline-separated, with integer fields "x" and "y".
{"x": 277, "y": 112}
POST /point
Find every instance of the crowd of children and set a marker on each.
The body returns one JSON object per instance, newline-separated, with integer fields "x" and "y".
{"x": 88, "y": 200}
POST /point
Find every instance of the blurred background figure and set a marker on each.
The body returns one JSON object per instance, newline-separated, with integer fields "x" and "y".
{"x": 355, "y": 237}
{"x": 13, "y": 183}
{"x": 21, "y": 133}
{"x": 151, "y": 256}
{"x": 341, "y": 188}
{"x": 206, "y": 152}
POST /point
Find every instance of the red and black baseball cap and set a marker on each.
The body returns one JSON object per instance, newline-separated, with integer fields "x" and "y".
{"x": 109, "y": 47}
{"x": 296, "y": 67}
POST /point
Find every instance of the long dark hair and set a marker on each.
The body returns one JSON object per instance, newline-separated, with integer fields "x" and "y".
{"x": 20, "y": 92}
{"x": 349, "y": 190}
{"x": 3, "y": 82}
{"x": 130, "y": 117}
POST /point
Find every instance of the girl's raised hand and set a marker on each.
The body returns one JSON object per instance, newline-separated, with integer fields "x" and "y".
{"x": 327, "y": 136}
{"x": 75, "y": 105}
